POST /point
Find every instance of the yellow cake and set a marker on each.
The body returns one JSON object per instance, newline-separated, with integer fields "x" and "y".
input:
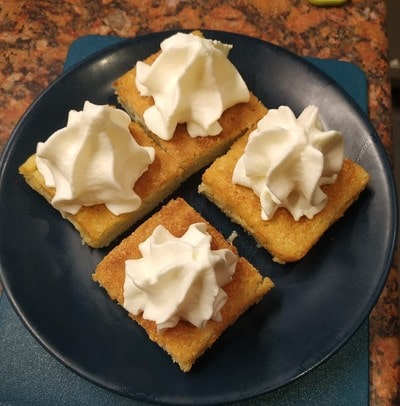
{"x": 191, "y": 153}
{"x": 185, "y": 343}
{"x": 286, "y": 239}
{"x": 96, "y": 224}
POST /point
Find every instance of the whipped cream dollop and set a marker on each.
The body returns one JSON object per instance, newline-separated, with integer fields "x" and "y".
{"x": 288, "y": 159}
{"x": 178, "y": 278}
{"x": 192, "y": 81}
{"x": 93, "y": 160}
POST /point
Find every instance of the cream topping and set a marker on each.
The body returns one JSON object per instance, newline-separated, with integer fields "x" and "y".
{"x": 287, "y": 160}
{"x": 93, "y": 160}
{"x": 192, "y": 81}
{"x": 178, "y": 278}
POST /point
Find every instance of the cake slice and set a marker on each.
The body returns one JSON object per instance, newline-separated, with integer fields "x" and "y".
{"x": 185, "y": 343}
{"x": 96, "y": 224}
{"x": 192, "y": 154}
{"x": 286, "y": 239}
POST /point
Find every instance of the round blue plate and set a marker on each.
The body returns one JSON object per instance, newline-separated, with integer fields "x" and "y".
{"x": 318, "y": 302}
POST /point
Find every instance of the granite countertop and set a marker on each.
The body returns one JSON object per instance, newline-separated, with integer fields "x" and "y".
{"x": 35, "y": 37}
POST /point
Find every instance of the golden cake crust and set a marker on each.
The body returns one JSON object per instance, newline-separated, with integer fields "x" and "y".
{"x": 184, "y": 342}
{"x": 96, "y": 224}
{"x": 286, "y": 239}
{"x": 191, "y": 153}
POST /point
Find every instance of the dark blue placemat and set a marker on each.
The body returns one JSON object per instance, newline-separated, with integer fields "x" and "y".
{"x": 30, "y": 375}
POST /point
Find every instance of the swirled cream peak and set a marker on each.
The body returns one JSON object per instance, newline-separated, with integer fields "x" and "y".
{"x": 288, "y": 159}
{"x": 192, "y": 81}
{"x": 178, "y": 278}
{"x": 93, "y": 160}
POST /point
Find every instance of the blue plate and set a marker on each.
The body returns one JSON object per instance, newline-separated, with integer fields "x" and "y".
{"x": 318, "y": 302}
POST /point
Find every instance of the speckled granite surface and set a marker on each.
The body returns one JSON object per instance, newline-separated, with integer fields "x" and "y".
{"x": 35, "y": 37}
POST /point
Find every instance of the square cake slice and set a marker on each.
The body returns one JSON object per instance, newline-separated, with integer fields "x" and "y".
{"x": 286, "y": 239}
{"x": 184, "y": 342}
{"x": 192, "y": 154}
{"x": 96, "y": 224}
